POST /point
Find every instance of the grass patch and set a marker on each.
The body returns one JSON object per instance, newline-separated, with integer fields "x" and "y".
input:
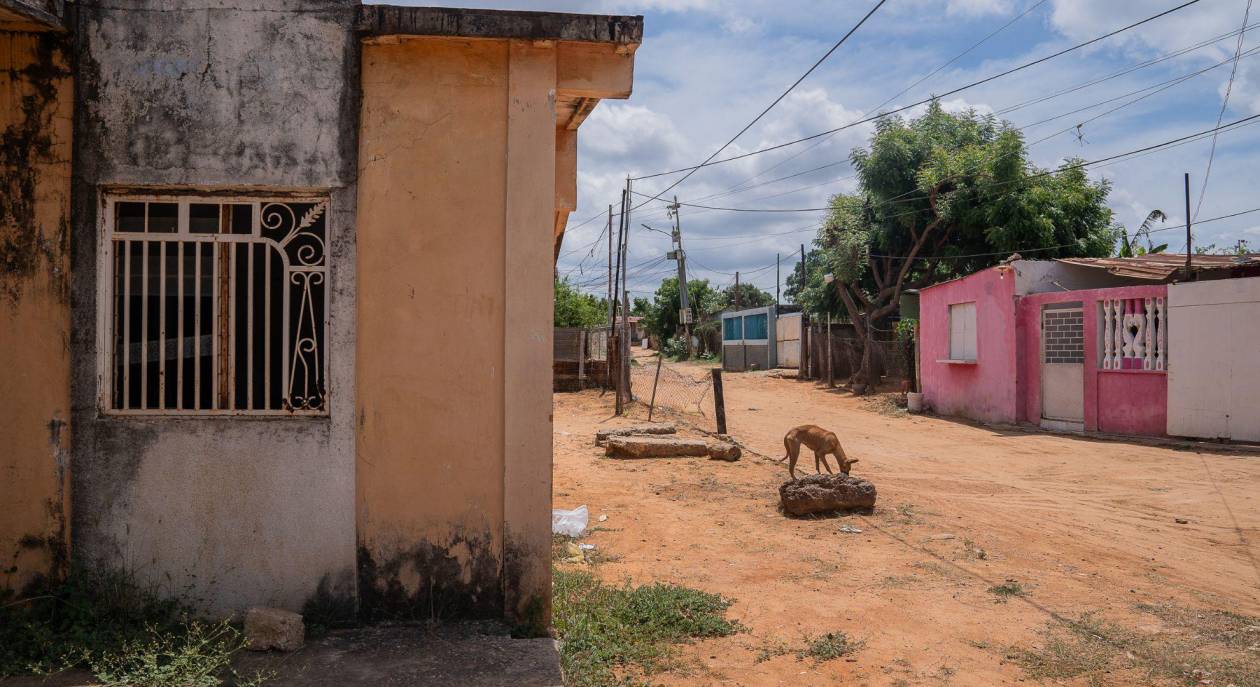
{"x": 610, "y": 633}
{"x": 123, "y": 633}
{"x": 1007, "y": 590}
{"x": 1195, "y": 646}
{"x": 828, "y": 647}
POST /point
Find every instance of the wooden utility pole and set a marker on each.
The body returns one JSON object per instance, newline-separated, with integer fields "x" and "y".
{"x": 625, "y": 298}
{"x": 776, "y": 279}
{"x": 804, "y": 371}
{"x": 610, "y": 266}
{"x": 737, "y": 291}
{"x": 612, "y": 322}
{"x": 684, "y": 300}
{"x": 1189, "y": 238}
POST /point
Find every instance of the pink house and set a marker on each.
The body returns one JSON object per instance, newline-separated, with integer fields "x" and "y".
{"x": 1079, "y": 344}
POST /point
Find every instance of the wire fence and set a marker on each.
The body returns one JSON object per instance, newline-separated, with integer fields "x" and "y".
{"x": 680, "y": 388}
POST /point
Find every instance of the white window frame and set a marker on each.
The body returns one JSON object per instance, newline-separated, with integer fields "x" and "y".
{"x": 305, "y": 260}
{"x": 974, "y": 339}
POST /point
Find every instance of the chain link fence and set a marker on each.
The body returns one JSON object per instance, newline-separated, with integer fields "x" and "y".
{"x": 681, "y": 388}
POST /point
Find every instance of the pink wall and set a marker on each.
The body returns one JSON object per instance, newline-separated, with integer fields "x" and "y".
{"x": 1119, "y": 401}
{"x": 986, "y": 390}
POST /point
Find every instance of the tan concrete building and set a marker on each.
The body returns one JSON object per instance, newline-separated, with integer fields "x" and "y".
{"x": 289, "y": 320}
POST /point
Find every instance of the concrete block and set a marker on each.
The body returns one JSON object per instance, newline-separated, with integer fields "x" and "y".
{"x": 274, "y": 628}
{"x": 656, "y": 428}
{"x": 655, "y": 447}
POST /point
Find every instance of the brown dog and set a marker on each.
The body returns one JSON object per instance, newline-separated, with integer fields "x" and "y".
{"x": 821, "y": 442}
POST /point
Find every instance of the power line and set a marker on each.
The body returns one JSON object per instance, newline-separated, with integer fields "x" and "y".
{"x": 973, "y": 84}
{"x": 1207, "y": 176}
{"x": 763, "y": 113}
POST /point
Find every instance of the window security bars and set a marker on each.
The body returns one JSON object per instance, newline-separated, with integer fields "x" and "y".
{"x": 1134, "y": 336}
{"x": 215, "y": 305}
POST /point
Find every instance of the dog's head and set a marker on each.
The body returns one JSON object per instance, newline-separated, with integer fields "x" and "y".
{"x": 847, "y": 464}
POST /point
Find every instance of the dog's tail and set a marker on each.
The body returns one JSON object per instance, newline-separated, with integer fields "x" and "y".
{"x": 787, "y": 446}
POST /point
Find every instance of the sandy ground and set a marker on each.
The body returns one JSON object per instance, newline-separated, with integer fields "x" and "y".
{"x": 1084, "y": 526}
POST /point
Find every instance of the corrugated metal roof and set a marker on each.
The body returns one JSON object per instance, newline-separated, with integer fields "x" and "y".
{"x": 1165, "y": 266}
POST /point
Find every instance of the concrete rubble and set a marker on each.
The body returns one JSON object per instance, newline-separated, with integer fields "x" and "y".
{"x": 602, "y": 436}
{"x": 814, "y": 494}
{"x": 274, "y": 628}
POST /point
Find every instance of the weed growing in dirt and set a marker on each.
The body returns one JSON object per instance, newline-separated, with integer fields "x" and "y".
{"x": 973, "y": 552}
{"x": 893, "y": 404}
{"x": 1006, "y": 590}
{"x": 609, "y": 631}
{"x": 1198, "y": 647}
{"x": 828, "y": 647}
{"x": 771, "y": 649}
{"x": 907, "y": 515}
{"x": 124, "y": 633}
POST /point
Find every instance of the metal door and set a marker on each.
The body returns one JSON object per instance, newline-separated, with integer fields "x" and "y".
{"x": 1063, "y": 366}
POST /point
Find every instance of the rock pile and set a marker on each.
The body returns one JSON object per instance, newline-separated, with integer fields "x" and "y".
{"x": 826, "y": 494}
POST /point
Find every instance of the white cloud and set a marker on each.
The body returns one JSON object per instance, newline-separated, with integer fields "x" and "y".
{"x": 977, "y": 8}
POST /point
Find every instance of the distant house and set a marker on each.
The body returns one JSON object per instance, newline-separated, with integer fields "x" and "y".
{"x": 1123, "y": 345}
{"x": 276, "y": 284}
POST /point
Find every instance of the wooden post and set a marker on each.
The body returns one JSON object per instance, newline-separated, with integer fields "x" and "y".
{"x": 1189, "y": 237}
{"x": 719, "y": 402}
{"x": 652, "y": 406}
{"x": 582, "y": 334}
{"x": 831, "y": 377}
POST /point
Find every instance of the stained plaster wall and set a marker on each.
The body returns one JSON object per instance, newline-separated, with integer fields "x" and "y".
{"x": 457, "y": 192}
{"x": 253, "y": 96}
{"x": 35, "y": 142}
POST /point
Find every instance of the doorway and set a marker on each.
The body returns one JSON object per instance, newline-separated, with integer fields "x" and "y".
{"x": 1063, "y": 367}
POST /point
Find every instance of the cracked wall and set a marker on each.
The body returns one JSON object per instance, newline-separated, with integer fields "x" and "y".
{"x": 251, "y": 96}
{"x": 35, "y": 141}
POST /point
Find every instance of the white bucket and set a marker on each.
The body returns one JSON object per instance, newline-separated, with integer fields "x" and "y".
{"x": 914, "y": 401}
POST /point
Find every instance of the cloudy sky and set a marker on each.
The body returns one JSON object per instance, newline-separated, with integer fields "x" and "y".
{"x": 707, "y": 67}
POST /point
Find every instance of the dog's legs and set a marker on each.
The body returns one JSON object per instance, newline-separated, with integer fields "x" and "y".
{"x": 819, "y": 455}
{"x": 793, "y": 452}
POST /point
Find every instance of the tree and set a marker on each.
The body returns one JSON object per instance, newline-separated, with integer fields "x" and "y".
{"x": 945, "y": 195}
{"x": 662, "y": 319}
{"x": 576, "y": 309}
{"x": 642, "y": 306}
{"x": 812, "y": 292}
{"x": 749, "y": 297}
{"x": 1129, "y": 247}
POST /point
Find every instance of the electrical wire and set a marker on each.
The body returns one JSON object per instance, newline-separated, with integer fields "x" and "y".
{"x": 954, "y": 91}
{"x": 1207, "y": 176}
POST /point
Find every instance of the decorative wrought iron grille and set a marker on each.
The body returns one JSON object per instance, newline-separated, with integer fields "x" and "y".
{"x": 215, "y": 305}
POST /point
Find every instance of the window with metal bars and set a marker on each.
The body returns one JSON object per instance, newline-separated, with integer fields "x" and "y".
{"x": 215, "y": 305}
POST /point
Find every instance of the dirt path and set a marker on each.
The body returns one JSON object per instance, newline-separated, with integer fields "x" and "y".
{"x": 1081, "y": 527}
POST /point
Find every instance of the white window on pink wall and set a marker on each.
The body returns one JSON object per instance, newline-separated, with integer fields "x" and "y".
{"x": 1134, "y": 334}
{"x": 962, "y": 331}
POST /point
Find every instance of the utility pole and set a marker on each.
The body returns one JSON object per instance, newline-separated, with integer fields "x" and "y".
{"x": 1189, "y": 238}
{"x": 625, "y": 298}
{"x": 610, "y": 266}
{"x": 737, "y": 291}
{"x": 804, "y": 371}
{"x": 776, "y": 280}
{"x": 684, "y": 312}
{"x": 612, "y": 322}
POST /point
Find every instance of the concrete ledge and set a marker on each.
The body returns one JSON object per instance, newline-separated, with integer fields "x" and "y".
{"x": 602, "y": 436}
{"x": 655, "y": 447}
{"x": 387, "y": 20}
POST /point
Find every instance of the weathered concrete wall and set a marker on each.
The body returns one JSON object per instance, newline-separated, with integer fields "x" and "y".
{"x": 35, "y": 141}
{"x": 457, "y": 193}
{"x": 250, "y": 95}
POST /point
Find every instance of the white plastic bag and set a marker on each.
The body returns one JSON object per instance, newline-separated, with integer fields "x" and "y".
{"x": 570, "y": 523}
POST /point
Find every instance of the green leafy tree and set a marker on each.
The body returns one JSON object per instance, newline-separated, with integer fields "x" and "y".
{"x": 1130, "y": 247}
{"x": 749, "y": 297}
{"x": 576, "y": 309}
{"x": 945, "y": 195}
{"x": 662, "y": 319}
{"x": 642, "y": 306}
{"x": 811, "y": 291}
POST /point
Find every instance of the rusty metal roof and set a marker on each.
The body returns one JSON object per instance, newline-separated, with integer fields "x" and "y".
{"x": 1166, "y": 266}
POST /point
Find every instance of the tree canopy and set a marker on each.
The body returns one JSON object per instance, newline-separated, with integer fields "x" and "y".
{"x": 576, "y": 309}
{"x": 662, "y": 318}
{"x": 945, "y": 195}
{"x": 749, "y": 297}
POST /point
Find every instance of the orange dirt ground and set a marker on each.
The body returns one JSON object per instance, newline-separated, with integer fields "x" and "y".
{"x": 1084, "y": 525}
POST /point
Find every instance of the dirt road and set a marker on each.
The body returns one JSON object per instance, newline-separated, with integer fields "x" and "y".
{"x": 984, "y": 542}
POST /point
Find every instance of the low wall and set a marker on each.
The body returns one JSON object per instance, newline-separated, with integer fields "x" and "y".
{"x": 1117, "y": 401}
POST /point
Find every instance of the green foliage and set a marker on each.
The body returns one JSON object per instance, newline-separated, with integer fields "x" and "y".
{"x": 1006, "y": 590}
{"x": 749, "y": 297}
{"x": 662, "y": 318}
{"x": 576, "y": 309}
{"x": 608, "y": 631}
{"x": 828, "y": 647}
{"x": 674, "y": 347}
{"x": 812, "y": 292}
{"x": 905, "y": 329}
{"x": 124, "y": 633}
{"x": 1133, "y": 247}
{"x": 641, "y": 307}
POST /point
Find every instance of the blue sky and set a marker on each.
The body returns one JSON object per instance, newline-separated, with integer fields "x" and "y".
{"x": 706, "y": 67}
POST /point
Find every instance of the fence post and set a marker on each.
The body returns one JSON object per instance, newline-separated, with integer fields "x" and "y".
{"x": 582, "y": 334}
{"x": 719, "y": 402}
{"x": 831, "y": 377}
{"x": 804, "y": 344}
{"x": 652, "y": 406}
